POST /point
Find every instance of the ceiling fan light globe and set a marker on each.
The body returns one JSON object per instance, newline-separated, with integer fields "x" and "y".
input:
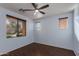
{"x": 36, "y": 11}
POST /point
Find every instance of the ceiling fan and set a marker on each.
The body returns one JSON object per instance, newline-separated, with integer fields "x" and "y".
{"x": 36, "y": 9}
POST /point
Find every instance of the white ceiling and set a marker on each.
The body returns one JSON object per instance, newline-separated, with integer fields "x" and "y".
{"x": 53, "y": 9}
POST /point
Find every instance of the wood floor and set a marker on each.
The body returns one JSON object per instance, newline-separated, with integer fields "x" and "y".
{"x": 36, "y": 49}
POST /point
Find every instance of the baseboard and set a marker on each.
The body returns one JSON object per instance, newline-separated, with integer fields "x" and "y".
{"x": 76, "y": 53}
{"x": 54, "y": 46}
{"x": 6, "y": 52}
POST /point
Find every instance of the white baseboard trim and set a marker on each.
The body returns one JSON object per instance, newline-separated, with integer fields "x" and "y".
{"x": 52, "y": 45}
{"x": 6, "y": 52}
{"x": 76, "y": 53}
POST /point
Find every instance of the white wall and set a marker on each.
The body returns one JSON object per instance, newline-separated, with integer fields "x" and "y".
{"x": 76, "y": 38}
{"x": 10, "y": 44}
{"x": 50, "y": 34}
{"x": 76, "y": 30}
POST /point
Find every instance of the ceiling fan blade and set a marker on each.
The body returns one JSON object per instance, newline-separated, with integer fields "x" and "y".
{"x": 26, "y": 9}
{"x": 42, "y": 12}
{"x": 45, "y": 6}
{"x": 34, "y": 5}
{"x": 20, "y": 9}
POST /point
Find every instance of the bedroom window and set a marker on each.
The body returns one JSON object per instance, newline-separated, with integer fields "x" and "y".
{"x": 63, "y": 22}
{"x": 15, "y": 27}
{"x": 38, "y": 26}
